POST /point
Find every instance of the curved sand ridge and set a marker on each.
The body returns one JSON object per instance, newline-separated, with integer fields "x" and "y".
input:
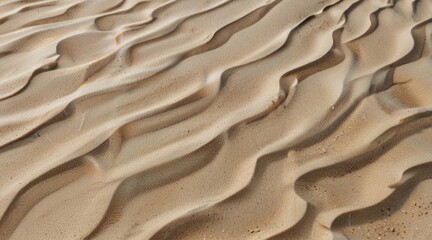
{"x": 217, "y": 119}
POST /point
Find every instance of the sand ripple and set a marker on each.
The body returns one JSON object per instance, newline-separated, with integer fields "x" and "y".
{"x": 217, "y": 119}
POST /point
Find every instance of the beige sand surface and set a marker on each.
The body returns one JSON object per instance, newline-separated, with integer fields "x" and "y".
{"x": 216, "y": 119}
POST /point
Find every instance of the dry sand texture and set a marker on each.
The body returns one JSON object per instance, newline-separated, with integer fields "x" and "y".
{"x": 216, "y": 119}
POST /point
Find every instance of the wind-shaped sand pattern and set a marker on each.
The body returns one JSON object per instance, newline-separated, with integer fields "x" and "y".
{"x": 216, "y": 119}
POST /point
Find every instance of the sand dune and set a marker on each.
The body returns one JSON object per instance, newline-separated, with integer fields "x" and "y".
{"x": 216, "y": 119}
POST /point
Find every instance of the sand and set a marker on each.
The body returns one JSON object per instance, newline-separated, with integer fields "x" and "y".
{"x": 216, "y": 119}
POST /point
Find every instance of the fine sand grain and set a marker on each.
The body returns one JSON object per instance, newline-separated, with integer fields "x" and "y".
{"x": 216, "y": 119}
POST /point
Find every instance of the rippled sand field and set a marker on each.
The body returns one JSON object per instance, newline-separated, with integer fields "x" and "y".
{"x": 216, "y": 119}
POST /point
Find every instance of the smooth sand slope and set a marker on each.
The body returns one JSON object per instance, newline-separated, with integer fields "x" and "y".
{"x": 216, "y": 119}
